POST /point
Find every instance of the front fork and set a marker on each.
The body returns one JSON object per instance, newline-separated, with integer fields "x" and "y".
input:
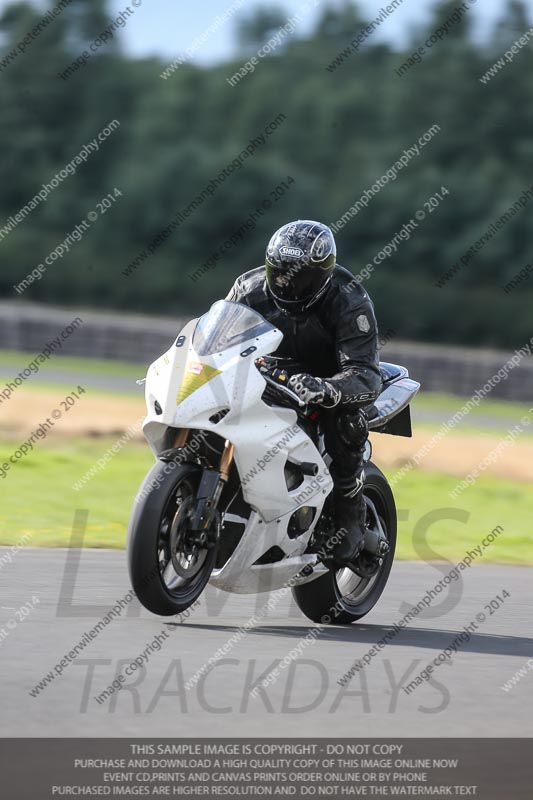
{"x": 211, "y": 485}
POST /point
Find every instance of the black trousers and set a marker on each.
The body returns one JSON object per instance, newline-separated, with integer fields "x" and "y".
{"x": 345, "y": 435}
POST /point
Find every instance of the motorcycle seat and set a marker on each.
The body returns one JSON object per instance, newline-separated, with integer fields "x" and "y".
{"x": 390, "y": 372}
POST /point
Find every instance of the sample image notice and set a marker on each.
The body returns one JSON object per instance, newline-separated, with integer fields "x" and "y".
{"x": 273, "y": 767}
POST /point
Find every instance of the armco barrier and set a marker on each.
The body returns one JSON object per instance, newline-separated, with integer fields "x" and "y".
{"x": 140, "y": 339}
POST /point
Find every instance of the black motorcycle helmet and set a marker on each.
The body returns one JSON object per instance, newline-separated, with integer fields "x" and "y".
{"x": 300, "y": 259}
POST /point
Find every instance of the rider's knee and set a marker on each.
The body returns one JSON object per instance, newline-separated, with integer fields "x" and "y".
{"x": 352, "y": 427}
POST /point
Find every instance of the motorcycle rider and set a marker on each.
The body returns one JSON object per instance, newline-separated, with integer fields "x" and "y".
{"x": 330, "y": 331}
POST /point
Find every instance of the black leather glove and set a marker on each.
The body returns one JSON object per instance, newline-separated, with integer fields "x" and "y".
{"x": 314, "y": 390}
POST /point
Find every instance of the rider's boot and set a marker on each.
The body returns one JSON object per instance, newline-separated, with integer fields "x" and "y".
{"x": 346, "y": 544}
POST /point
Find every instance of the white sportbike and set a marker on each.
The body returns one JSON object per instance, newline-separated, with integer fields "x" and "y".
{"x": 240, "y": 495}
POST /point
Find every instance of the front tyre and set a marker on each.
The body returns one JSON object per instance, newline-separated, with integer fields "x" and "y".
{"x": 168, "y": 567}
{"x": 353, "y": 595}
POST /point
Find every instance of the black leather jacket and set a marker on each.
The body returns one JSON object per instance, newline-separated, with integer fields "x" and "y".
{"x": 338, "y": 334}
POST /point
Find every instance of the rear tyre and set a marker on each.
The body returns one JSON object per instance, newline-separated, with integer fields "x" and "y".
{"x": 354, "y": 596}
{"x": 168, "y": 568}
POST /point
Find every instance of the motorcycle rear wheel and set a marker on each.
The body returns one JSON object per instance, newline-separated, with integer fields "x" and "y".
{"x": 354, "y": 596}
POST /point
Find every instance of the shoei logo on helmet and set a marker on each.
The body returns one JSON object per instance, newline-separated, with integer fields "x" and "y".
{"x": 291, "y": 252}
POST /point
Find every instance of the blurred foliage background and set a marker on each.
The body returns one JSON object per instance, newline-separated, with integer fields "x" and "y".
{"x": 344, "y": 129}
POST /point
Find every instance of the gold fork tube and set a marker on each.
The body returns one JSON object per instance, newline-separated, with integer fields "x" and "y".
{"x": 226, "y": 460}
{"x": 181, "y": 437}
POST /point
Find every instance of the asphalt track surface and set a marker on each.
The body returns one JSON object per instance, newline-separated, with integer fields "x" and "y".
{"x": 464, "y": 698}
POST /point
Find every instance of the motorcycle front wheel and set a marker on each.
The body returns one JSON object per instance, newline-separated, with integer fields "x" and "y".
{"x": 342, "y": 597}
{"x": 168, "y": 567}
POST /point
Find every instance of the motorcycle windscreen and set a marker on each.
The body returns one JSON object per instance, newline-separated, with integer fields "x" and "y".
{"x": 225, "y": 325}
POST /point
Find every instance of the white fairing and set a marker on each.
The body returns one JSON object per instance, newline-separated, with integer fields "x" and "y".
{"x": 190, "y": 387}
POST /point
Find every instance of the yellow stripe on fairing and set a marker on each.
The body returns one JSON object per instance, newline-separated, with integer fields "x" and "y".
{"x": 191, "y": 382}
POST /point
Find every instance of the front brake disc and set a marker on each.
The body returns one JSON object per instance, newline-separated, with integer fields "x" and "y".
{"x": 187, "y": 556}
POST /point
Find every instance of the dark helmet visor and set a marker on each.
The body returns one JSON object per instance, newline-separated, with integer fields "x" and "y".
{"x": 294, "y": 283}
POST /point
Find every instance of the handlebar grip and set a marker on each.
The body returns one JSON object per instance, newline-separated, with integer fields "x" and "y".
{"x": 284, "y": 389}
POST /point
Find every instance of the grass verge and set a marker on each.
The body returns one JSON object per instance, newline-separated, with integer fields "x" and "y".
{"x": 38, "y": 499}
